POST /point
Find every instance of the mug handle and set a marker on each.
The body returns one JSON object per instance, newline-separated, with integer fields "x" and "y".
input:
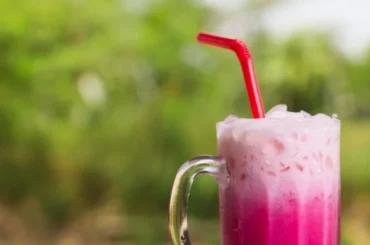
{"x": 178, "y": 225}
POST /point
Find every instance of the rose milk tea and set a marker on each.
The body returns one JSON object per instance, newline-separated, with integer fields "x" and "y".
{"x": 284, "y": 179}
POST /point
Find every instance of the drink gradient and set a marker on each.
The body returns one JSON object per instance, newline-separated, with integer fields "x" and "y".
{"x": 284, "y": 173}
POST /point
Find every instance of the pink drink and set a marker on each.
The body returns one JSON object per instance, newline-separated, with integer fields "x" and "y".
{"x": 284, "y": 174}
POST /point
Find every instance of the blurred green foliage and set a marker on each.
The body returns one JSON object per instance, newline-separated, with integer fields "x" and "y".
{"x": 104, "y": 100}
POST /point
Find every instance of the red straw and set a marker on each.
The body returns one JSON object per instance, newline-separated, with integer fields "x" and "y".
{"x": 246, "y": 63}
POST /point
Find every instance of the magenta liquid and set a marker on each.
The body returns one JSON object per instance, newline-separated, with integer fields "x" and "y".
{"x": 284, "y": 186}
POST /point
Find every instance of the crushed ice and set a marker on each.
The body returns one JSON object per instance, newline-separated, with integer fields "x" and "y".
{"x": 231, "y": 119}
{"x": 281, "y": 111}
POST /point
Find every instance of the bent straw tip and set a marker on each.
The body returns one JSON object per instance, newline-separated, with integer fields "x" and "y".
{"x": 245, "y": 59}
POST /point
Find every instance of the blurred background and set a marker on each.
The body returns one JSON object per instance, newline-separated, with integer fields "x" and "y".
{"x": 101, "y": 101}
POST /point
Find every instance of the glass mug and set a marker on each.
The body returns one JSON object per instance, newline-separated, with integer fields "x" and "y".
{"x": 279, "y": 182}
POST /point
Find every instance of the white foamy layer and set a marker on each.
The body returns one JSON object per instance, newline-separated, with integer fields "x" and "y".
{"x": 285, "y": 151}
{"x": 278, "y": 119}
